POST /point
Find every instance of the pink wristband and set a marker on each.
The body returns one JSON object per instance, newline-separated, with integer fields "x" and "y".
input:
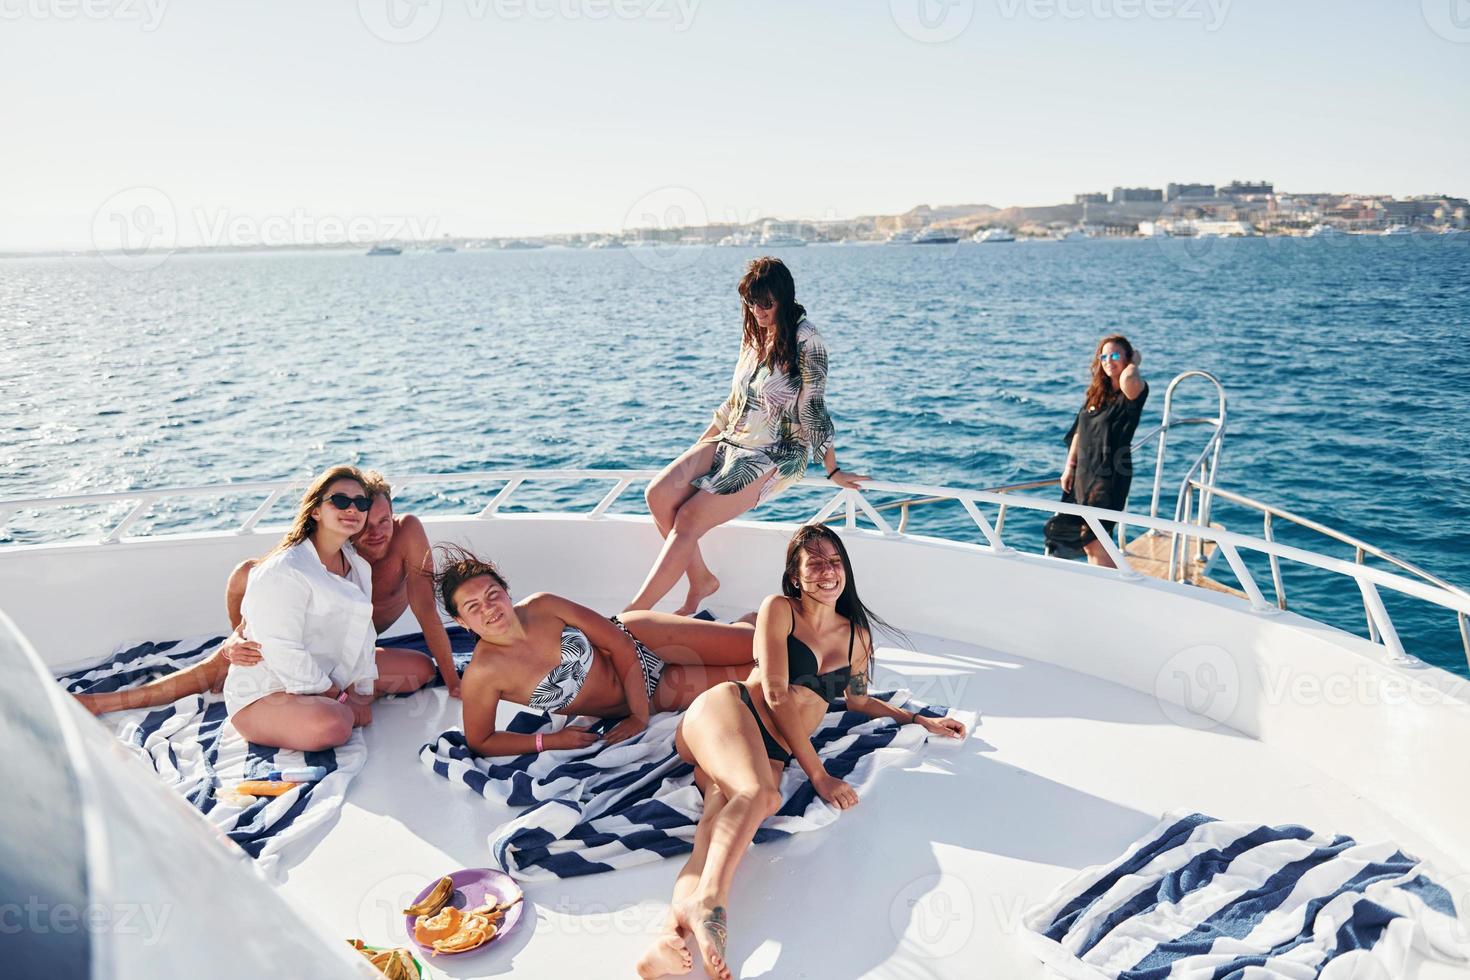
{"x": 538, "y": 741}
{"x": 342, "y": 698}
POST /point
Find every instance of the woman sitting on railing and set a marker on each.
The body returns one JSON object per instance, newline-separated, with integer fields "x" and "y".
{"x": 556, "y": 655}
{"x": 759, "y": 442}
{"x": 309, "y": 608}
{"x": 813, "y": 645}
{"x": 1099, "y": 468}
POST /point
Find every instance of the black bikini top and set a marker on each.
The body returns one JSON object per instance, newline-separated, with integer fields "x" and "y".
{"x": 802, "y": 666}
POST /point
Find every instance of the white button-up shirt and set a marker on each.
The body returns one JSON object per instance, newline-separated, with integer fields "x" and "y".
{"x": 315, "y": 629}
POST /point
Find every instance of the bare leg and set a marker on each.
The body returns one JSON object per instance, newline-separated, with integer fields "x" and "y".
{"x": 303, "y": 722}
{"x": 402, "y": 671}
{"x": 207, "y": 675}
{"x": 721, "y": 736}
{"x": 682, "y": 683}
{"x": 682, "y": 640}
{"x": 665, "y": 495}
{"x": 669, "y": 954}
{"x": 1097, "y": 554}
{"x": 697, "y": 515}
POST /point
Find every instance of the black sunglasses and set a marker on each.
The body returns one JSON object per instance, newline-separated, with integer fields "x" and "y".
{"x": 341, "y": 501}
{"x": 764, "y": 303}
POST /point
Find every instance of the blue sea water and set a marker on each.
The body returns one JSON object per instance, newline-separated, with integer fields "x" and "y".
{"x": 1345, "y": 362}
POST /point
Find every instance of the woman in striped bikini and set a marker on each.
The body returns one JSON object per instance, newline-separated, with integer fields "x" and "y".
{"x": 556, "y": 655}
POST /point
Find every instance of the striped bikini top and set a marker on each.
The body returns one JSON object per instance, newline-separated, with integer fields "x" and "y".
{"x": 561, "y": 687}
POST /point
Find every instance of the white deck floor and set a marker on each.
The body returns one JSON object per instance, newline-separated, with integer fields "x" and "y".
{"x": 928, "y": 876}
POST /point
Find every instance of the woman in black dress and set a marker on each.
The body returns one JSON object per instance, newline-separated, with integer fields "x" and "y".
{"x": 1100, "y": 461}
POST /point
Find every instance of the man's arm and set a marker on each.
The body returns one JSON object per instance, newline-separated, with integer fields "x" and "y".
{"x": 418, "y": 560}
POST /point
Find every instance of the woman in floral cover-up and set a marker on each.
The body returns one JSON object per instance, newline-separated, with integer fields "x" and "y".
{"x": 759, "y": 442}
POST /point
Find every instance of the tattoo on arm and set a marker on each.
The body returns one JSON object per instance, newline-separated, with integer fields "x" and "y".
{"x": 857, "y": 684}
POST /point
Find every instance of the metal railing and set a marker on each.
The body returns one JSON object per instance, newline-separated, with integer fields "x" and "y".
{"x": 849, "y": 504}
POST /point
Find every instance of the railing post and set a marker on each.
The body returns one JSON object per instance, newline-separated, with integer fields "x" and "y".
{"x": 1246, "y": 579}
{"x": 1275, "y": 562}
{"x": 501, "y": 497}
{"x": 608, "y": 499}
{"x": 1368, "y": 613}
{"x": 113, "y": 536}
{"x": 903, "y": 517}
{"x": 260, "y": 511}
{"x": 1464, "y": 635}
{"x": 1373, "y": 604}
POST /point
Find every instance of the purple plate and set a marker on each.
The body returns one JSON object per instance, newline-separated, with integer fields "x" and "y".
{"x": 474, "y": 887}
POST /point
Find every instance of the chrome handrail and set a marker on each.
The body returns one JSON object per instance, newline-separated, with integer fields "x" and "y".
{"x": 1227, "y": 543}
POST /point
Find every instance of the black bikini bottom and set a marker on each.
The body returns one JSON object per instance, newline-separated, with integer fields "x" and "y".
{"x": 774, "y": 752}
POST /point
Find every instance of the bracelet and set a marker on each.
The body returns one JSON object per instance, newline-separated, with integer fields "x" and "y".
{"x": 342, "y": 698}
{"x": 538, "y": 741}
{"x": 833, "y": 470}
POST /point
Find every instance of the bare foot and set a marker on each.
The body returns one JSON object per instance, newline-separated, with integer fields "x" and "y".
{"x": 698, "y": 592}
{"x": 708, "y": 925}
{"x": 668, "y": 955}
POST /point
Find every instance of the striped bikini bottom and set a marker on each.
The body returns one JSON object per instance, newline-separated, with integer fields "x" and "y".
{"x": 648, "y": 661}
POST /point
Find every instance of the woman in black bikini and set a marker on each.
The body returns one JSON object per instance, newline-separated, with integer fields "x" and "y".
{"x": 812, "y": 644}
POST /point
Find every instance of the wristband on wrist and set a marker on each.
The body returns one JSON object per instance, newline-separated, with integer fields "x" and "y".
{"x": 342, "y": 698}
{"x": 832, "y": 470}
{"x": 538, "y": 741}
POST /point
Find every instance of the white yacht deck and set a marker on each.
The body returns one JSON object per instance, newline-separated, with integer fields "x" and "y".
{"x": 928, "y": 876}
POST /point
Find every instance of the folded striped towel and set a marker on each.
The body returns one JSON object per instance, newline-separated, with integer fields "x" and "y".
{"x": 1198, "y": 897}
{"x": 190, "y": 746}
{"x": 615, "y": 806}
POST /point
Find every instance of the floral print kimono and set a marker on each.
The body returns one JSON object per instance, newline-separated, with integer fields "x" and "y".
{"x": 772, "y": 422}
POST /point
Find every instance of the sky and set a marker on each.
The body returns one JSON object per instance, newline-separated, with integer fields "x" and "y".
{"x": 234, "y": 121}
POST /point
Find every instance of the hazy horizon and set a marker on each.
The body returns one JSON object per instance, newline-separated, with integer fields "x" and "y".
{"x": 219, "y": 123}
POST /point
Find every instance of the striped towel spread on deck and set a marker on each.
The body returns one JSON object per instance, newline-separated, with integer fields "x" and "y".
{"x": 615, "y": 806}
{"x": 192, "y": 749}
{"x": 1208, "y": 899}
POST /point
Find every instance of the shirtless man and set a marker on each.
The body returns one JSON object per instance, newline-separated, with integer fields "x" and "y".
{"x": 396, "y": 547}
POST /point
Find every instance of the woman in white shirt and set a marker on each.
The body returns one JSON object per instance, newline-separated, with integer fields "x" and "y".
{"x": 309, "y": 607}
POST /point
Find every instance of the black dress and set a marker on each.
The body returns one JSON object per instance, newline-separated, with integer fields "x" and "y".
{"x": 1104, "y": 466}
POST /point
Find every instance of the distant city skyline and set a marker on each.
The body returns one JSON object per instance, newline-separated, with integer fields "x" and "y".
{"x": 500, "y": 118}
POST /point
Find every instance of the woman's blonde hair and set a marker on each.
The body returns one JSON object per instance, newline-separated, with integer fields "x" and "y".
{"x": 305, "y": 525}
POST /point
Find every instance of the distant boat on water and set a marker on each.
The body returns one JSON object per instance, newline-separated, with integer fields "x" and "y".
{"x": 607, "y": 243}
{"x": 517, "y": 243}
{"x": 1074, "y": 235}
{"x": 777, "y": 240}
{"x": 385, "y": 250}
{"x": 445, "y": 248}
{"x": 1394, "y": 231}
{"x": 935, "y": 236}
{"x": 986, "y": 236}
{"x": 900, "y": 238}
{"x": 1325, "y": 231}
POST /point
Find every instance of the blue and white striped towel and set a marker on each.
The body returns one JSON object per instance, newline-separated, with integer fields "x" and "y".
{"x": 615, "y": 806}
{"x": 1202, "y": 898}
{"x": 190, "y": 746}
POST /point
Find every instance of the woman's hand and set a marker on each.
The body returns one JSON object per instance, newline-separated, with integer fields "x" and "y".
{"x": 848, "y": 481}
{"x": 835, "y": 792}
{"x": 361, "y": 706}
{"x": 1137, "y": 359}
{"x": 238, "y": 650}
{"x": 451, "y": 681}
{"x": 1068, "y": 472}
{"x": 775, "y": 691}
{"x": 948, "y": 727}
{"x": 570, "y": 738}
{"x": 625, "y": 729}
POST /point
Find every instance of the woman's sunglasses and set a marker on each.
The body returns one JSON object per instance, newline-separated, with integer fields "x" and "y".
{"x": 1114, "y": 356}
{"x": 341, "y": 501}
{"x": 764, "y": 303}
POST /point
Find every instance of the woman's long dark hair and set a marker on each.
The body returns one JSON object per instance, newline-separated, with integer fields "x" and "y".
{"x": 848, "y": 603}
{"x": 1101, "y": 391}
{"x": 767, "y": 278}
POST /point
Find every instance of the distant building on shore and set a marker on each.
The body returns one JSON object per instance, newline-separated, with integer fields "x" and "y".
{"x": 1136, "y": 195}
{"x": 1174, "y": 192}
{"x": 1094, "y": 198}
{"x": 1238, "y": 188}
